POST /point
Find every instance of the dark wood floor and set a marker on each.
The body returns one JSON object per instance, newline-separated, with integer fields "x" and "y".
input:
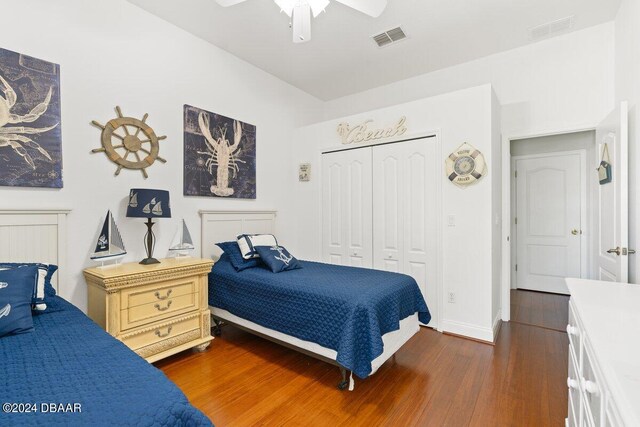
{"x": 435, "y": 380}
{"x": 540, "y": 309}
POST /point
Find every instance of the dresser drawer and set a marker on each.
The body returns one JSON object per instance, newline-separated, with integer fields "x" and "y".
{"x": 162, "y": 332}
{"x": 574, "y": 332}
{"x": 157, "y": 292}
{"x": 573, "y": 384}
{"x": 155, "y": 311}
{"x": 592, "y": 388}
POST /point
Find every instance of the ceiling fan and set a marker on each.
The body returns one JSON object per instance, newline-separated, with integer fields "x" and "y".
{"x": 300, "y": 12}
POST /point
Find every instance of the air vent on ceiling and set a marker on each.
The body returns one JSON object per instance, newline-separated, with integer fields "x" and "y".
{"x": 551, "y": 28}
{"x": 389, "y": 36}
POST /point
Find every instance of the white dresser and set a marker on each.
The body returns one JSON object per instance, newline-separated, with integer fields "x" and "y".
{"x": 604, "y": 354}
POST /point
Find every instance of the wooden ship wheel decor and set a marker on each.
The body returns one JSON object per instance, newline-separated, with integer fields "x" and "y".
{"x": 126, "y": 139}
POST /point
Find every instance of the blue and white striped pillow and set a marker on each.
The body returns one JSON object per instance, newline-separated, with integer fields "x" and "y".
{"x": 43, "y": 285}
{"x": 248, "y": 242}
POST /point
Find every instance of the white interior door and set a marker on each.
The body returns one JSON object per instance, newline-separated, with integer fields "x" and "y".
{"x": 550, "y": 209}
{"x": 612, "y": 217}
{"x": 347, "y": 192}
{"x": 405, "y": 180}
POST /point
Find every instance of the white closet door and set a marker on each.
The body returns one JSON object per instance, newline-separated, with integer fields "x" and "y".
{"x": 388, "y": 208}
{"x": 405, "y": 213}
{"x": 347, "y": 205}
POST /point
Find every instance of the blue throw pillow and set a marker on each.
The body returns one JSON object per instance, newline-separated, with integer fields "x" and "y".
{"x": 235, "y": 256}
{"x": 277, "y": 258}
{"x": 43, "y": 287}
{"x": 16, "y": 291}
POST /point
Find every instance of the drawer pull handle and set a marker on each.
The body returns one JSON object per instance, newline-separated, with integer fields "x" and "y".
{"x": 571, "y": 383}
{"x": 161, "y": 335}
{"x": 157, "y": 294}
{"x": 572, "y": 330}
{"x": 590, "y": 386}
{"x": 157, "y": 306}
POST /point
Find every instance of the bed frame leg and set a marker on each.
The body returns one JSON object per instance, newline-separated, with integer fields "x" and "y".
{"x": 216, "y": 329}
{"x": 344, "y": 384}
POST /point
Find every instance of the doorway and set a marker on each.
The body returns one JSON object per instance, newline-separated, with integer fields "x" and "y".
{"x": 551, "y": 225}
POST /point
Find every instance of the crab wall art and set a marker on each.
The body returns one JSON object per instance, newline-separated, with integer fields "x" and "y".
{"x": 219, "y": 155}
{"x": 30, "y": 136}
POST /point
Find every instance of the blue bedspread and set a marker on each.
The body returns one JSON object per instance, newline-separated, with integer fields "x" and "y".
{"x": 346, "y": 309}
{"x": 69, "y": 359}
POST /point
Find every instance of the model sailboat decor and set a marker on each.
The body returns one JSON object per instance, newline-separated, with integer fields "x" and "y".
{"x": 109, "y": 246}
{"x": 182, "y": 243}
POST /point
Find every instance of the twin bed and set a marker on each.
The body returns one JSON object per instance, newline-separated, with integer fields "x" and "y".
{"x": 68, "y": 371}
{"x": 354, "y": 318}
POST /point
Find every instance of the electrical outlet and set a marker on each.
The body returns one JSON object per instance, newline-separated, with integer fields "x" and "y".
{"x": 452, "y": 297}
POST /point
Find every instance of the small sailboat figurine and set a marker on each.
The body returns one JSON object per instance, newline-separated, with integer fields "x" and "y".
{"x": 109, "y": 246}
{"x": 182, "y": 243}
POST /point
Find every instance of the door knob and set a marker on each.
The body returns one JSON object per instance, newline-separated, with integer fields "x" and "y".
{"x": 575, "y": 231}
{"x": 616, "y": 251}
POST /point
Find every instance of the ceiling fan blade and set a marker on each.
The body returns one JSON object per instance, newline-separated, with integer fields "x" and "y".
{"x": 372, "y": 8}
{"x": 227, "y": 3}
{"x": 301, "y": 23}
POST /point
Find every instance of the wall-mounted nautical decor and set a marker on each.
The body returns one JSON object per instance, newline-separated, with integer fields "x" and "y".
{"x": 219, "y": 155}
{"x": 109, "y": 246}
{"x": 304, "y": 172}
{"x": 465, "y": 165}
{"x": 364, "y": 132}
{"x": 30, "y": 135}
{"x": 124, "y": 138}
{"x": 604, "y": 170}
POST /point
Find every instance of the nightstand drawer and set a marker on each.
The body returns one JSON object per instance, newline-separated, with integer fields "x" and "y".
{"x": 155, "y": 311}
{"x": 157, "y": 293}
{"x": 165, "y": 331}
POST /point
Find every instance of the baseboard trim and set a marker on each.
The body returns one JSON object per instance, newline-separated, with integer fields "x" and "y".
{"x": 497, "y": 326}
{"x": 467, "y": 330}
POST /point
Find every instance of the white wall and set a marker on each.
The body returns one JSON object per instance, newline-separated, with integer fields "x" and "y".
{"x": 462, "y": 116}
{"x": 627, "y": 87}
{"x": 496, "y": 212}
{"x": 562, "y": 82}
{"x": 113, "y": 53}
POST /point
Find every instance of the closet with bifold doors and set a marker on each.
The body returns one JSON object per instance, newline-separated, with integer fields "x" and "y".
{"x": 380, "y": 209}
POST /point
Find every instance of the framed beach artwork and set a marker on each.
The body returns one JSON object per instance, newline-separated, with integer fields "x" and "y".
{"x": 30, "y": 129}
{"x": 219, "y": 155}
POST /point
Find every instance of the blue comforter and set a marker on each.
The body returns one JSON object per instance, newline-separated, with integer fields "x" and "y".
{"x": 68, "y": 359}
{"x": 346, "y": 309}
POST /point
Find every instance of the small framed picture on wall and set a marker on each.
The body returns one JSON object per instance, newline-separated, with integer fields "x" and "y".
{"x": 304, "y": 172}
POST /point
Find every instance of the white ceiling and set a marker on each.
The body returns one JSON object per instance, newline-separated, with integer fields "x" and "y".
{"x": 341, "y": 58}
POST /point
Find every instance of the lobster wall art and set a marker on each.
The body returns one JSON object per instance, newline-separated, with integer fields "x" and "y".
{"x": 30, "y": 135}
{"x": 219, "y": 155}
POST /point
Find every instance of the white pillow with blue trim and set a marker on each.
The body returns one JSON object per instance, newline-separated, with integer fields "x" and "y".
{"x": 45, "y": 272}
{"x": 248, "y": 242}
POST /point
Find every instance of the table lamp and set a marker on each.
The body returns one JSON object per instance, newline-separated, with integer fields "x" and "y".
{"x": 149, "y": 204}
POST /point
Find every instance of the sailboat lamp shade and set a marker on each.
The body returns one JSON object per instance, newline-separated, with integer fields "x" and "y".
{"x": 148, "y": 203}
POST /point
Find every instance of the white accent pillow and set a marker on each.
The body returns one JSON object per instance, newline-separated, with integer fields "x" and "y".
{"x": 248, "y": 242}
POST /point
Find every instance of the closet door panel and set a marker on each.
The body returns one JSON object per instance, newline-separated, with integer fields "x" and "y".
{"x": 346, "y": 208}
{"x": 388, "y": 209}
{"x": 358, "y": 217}
{"x": 421, "y": 216}
{"x": 333, "y": 196}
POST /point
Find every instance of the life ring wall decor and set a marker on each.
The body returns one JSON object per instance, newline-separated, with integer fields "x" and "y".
{"x": 465, "y": 166}
{"x": 129, "y": 136}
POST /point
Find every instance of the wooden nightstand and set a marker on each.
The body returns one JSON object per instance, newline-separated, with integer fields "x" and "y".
{"x": 157, "y": 310}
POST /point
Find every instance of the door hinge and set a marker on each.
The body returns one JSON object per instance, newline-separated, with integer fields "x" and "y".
{"x": 516, "y": 174}
{"x": 516, "y": 220}
{"x": 516, "y": 267}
